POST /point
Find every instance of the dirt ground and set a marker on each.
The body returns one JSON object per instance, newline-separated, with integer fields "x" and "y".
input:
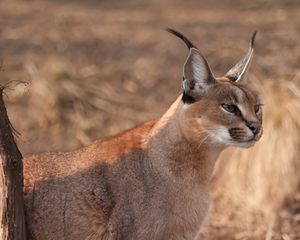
{"x": 94, "y": 68}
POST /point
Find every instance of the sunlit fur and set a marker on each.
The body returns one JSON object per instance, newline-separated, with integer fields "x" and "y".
{"x": 149, "y": 182}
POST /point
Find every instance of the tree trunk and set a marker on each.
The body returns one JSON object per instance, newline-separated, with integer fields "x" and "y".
{"x": 11, "y": 182}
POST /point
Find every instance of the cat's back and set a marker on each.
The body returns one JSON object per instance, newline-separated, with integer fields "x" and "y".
{"x": 70, "y": 193}
{"x": 107, "y": 151}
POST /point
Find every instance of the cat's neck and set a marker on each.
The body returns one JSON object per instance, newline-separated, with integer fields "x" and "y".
{"x": 178, "y": 156}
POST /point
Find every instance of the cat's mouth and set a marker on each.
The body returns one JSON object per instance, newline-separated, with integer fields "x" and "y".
{"x": 258, "y": 135}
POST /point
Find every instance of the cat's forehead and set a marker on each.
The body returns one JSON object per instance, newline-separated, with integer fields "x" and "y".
{"x": 231, "y": 92}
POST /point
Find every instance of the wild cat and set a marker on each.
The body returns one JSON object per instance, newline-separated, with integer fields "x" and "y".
{"x": 152, "y": 181}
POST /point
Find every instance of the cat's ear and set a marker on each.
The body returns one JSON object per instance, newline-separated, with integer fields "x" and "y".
{"x": 239, "y": 71}
{"x": 197, "y": 76}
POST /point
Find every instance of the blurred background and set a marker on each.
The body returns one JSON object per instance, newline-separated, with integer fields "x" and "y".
{"x": 93, "y": 68}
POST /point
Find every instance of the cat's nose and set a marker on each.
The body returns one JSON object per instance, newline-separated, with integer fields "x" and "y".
{"x": 255, "y": 127}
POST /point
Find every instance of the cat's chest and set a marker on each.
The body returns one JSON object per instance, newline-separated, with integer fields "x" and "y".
{"x": 190, "y": 208}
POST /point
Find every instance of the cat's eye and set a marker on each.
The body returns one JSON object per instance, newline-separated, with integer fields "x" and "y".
{"x": 257, "y": 108}
{"x": 230, "y": 108}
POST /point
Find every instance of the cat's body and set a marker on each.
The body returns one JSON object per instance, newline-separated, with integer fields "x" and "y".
{"x": 84, "y": 196}
{"x": 151, "y": 182}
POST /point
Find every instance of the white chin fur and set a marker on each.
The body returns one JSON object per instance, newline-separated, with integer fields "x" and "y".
{"x": 242, "y": 144}
{"x": 221, "y": 135}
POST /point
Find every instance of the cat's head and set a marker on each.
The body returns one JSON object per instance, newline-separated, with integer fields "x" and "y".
{"x": 225, "y": 110}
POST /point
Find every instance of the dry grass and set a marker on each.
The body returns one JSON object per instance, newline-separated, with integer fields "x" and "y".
{"x": 96, "y": 68}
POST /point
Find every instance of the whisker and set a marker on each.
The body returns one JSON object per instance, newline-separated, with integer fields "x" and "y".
{"x": 203, "y": 140}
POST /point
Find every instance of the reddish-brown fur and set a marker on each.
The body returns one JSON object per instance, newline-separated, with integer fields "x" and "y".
{"x": 150, "y": 182}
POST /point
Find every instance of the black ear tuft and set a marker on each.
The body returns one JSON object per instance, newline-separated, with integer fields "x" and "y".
{"x": 188, "y": 43}
{"x": 253, "y": 39}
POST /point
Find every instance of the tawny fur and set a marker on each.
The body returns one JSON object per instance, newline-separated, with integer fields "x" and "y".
{"x": 150, "y": 182}
{"x": 133, "y": 186}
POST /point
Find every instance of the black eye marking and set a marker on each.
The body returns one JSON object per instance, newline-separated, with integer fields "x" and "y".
{"x": 232, "y": 109}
